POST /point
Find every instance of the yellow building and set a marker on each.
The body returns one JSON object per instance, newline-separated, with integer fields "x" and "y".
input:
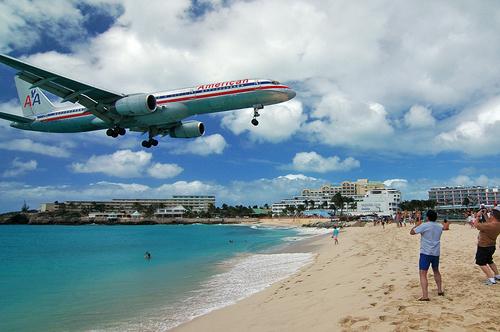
{"x": 347, "y": 188}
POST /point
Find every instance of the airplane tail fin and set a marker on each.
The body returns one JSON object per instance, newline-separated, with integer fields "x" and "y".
{"x": 33, "y": 100}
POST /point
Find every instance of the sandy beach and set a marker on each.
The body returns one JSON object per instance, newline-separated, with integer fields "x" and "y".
{"x": 369, "y": 282}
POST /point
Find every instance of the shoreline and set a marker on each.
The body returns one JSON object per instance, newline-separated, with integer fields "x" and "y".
{"x": 368, "y": 282}
{"x": 307, "y": 245}
{"x": 240, "y": 277}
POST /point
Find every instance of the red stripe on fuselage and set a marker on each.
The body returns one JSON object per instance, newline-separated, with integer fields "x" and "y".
{"x": 68, "y": 116}
{"x": 221, "y": 93}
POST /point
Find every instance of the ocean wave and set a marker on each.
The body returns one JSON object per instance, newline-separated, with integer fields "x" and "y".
{"x": 247, "y": 275}
{"x": 312, "y": 231}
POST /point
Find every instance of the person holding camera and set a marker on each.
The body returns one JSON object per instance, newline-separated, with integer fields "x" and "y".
{"x": 482, "y": 215}
{"x": 486, "y": 244}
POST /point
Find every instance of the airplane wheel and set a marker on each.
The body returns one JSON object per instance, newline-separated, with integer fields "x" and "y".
{"x": 146, "y": 144}
{"x": 114, "y": 135}
{"x": 255, "y": 122}
{"x": 121, "y": 131}
{"x": 110, "y": 132}
{"x": 153, "y": 142}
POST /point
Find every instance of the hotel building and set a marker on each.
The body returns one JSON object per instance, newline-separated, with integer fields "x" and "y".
{"x": 191, "y": 202}
{"x": 456, "y": 196}
{"x": 347, "y": 188}
{"x": 358, "y": 190}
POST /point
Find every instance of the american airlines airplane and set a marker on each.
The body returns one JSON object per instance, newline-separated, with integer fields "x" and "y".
{"x": 158, "y": 113}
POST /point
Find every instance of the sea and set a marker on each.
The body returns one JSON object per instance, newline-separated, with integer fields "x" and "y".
{"x": 96, "y": 278}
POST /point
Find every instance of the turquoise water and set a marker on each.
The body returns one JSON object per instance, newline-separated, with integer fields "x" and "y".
{"x": 60, "y": 278}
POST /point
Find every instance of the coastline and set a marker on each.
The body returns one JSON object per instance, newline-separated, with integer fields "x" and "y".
{"x": 368, "y": 282}
{"x": 239, "y": 277}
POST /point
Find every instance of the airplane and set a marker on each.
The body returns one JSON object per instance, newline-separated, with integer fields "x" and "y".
{"x": 157, "y": 113}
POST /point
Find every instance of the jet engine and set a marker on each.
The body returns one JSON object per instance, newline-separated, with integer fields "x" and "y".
{"x": 139, "y": 104}
{"x": 189, "y": 129}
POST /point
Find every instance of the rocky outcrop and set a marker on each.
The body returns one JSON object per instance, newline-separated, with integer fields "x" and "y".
{"x": 16, "y": 218}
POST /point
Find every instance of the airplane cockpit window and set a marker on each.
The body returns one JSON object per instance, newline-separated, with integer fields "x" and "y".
{"x": 276, "y": 83}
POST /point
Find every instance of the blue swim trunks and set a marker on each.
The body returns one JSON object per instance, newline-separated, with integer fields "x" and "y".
{"x": 426, "y": 261}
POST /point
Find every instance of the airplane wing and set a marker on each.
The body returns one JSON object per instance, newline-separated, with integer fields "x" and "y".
{"x": 15, "y": 118}
{"x": 95, "y": 99}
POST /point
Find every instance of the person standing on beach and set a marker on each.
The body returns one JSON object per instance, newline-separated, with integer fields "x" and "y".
{"x": 446, "y": 225}
{"x": 486, "y": 245}
{"x": 430, "y": 243}
{"x": 470, "y": 219}
{"x": 335, "y": 234}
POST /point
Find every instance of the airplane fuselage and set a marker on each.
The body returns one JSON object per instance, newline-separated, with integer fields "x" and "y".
{"x": 172, "y": 106}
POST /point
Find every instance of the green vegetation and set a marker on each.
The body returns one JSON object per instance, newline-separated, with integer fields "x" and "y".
{"x": 225, "y": 211}
{"x": 340, "y": 201}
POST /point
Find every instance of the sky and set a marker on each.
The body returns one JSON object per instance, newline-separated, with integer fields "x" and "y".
{"x": 407, "y": 93}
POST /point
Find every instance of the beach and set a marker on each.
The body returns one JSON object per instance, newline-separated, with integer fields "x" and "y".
{"x": 369, "y": 282}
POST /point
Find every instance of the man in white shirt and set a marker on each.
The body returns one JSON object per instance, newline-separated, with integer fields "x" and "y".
{"x": 430, "y": 242}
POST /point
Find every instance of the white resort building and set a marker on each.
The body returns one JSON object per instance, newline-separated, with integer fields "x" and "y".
{"x": 370, "y": 197}
{"x": 383, "y": 202}
{"x": 172, "y": 212}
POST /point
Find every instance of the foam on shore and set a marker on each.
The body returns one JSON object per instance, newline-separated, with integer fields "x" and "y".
{"x": 246, "y": 275}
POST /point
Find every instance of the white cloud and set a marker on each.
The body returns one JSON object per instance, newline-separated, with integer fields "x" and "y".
{"x": 164, "y": 171}
{"x": 340, "y": 121}
{"x": 23, "y": 22}
{"x": 188, "y": 188}
{"x": 126, "y": 163}
{"x": 300, "y": 177}
{"x": 203, "y": 146}
{"x": 396, "y": 183}
{"x": 27, "y": 145}
{"x": 474, "y": 132}
{"x": 313, "y": 162}
{"x": 481, "y": 180}
{"x": 419, "y": 117}
{"x": 19, "y": 167}
{"x": 356, "y": 67}
{"x": 276, "y": 123}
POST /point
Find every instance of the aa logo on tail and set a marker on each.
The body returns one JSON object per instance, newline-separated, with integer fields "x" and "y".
{"x": 32, "y": 100}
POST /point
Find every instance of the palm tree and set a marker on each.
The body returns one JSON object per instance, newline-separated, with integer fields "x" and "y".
{"x": 339, "y": 201}
{"x": 25, "y": 208}
{"x": 352, "y": 203}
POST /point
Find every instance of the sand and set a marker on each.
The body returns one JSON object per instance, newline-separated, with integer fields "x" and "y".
{"x": 369, "y": 282}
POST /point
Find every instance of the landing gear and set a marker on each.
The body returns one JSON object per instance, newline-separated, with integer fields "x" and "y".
{"x": 256, "y": 114}
{"x": 114, "y": 132}
{"x": 110, "y": 132}
{"x": 149, "y": 143}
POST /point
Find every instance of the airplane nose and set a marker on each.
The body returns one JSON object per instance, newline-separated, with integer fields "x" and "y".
{"x": 291, "y": 94}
